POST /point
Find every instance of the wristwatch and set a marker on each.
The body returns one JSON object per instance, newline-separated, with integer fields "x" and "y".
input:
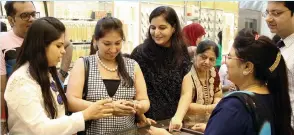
{"x": 63, "y": 73}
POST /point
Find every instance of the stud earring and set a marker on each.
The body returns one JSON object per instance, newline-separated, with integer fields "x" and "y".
{"x": 245, "y": 73}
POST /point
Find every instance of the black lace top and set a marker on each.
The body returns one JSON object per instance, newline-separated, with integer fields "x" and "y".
{"x": 163, "y": 80}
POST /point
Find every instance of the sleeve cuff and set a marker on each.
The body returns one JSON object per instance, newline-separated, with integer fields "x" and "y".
{"x": 79, "y": 121}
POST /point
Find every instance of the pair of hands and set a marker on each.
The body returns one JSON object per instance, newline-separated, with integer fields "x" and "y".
{"x": 175, "y": 125}
{"x": 232, "y": 87}
{"x": 108, "y": 107}
{"x": 160, "y": 131}
{"x": 199, "y": 127}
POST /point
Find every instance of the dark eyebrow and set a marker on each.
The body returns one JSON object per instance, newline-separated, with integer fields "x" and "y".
{"x": 119, "y": 40}
{"x": 28, "y": 12}
{"x": 110, "y": 41}
{"x": 159, "y": 25}
{"x": 275, "y": 10}
{"x": 60, "y": 43}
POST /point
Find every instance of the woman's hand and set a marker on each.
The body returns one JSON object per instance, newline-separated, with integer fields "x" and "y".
{"x": 133, "y": 103}
{"x": 199, "y": 127}
{"x": 143, "y": 121}
{"x": 123, "y": 108}
{"x": 99, "y": 109}
{"x": 175, "y": 124}
{"x": 157, "y": 131}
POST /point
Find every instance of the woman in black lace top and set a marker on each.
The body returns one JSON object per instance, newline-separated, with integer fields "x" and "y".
{"x": 165, "y": 63}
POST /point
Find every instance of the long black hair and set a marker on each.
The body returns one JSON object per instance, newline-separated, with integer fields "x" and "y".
{"x": 93, "y": 49}
{"x": 104, "y": 26}
{"x": 33, "y": 50}
{"x": 178, "y": 50}
{"x": 263, "y": 53}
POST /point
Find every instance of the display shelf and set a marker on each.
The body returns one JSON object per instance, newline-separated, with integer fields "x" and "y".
{"x": 79, "y": 31}
{"x": 212, "y": 22}
{"x": 80, "y": 17}
{"x": 81, "y": 9}
{"x": 128, "y": 13}
{"x": 80, "y": 50}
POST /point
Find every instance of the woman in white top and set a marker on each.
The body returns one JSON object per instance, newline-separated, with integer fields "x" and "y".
{"x": 35, "y": 99}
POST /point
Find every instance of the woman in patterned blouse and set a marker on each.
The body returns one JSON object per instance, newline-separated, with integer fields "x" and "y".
{"x": 110, "y": 76}
{"x": 206, "y": 84}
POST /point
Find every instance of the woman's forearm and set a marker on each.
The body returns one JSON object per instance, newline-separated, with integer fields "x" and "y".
{"x": 210, "y": 108}
{"x": 183, "y": 106}
{"x": 77, "y": 104}
{"x": 144, "y": 106}
{"x": 195, "y": 108}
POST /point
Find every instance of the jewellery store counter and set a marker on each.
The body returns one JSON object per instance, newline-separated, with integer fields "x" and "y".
{"x": 160, "y": 124}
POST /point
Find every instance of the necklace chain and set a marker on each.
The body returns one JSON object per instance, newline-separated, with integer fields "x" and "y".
{"x": 104, "y": 66}
{"x": 205, "y": 81}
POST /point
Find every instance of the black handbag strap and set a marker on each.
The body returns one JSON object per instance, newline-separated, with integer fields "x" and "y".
{"x": 87, "y": 68}
{"x": 85, "y": 91}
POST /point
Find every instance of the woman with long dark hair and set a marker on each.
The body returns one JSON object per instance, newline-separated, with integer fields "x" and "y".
{"x": 34, "y": 96}
{"x": 110, "y": 76}
{"x": 165, "y": 63}
{"x": 262, "y": 106}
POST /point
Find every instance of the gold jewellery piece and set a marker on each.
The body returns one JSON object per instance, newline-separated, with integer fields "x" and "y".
{"x": 276, "y": 63}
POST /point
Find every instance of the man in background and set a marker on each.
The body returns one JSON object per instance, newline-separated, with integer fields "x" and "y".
{"x": 280, "y": 20}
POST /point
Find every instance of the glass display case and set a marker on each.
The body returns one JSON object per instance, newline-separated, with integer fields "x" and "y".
{"x": 160, "y": 124}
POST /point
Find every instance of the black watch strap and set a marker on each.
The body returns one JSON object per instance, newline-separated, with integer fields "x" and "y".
{"x": 63, "y": 73}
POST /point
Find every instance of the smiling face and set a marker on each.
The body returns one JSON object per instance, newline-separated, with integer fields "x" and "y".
{"x": 55, "y": 51}
{"x": 161, "y": 31}
{"x": 235, "y": 70}
{"x": 109, "y": 46}
{"x": 279, "y": 19}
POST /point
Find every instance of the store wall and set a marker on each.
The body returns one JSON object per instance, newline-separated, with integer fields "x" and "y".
{"x": 249, "y": 19}
{"x": 257, "y": 7}
{"x": 230, "y": 21}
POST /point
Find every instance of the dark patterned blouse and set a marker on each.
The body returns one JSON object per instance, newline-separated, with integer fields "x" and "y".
{"x": 163, "y": 80}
